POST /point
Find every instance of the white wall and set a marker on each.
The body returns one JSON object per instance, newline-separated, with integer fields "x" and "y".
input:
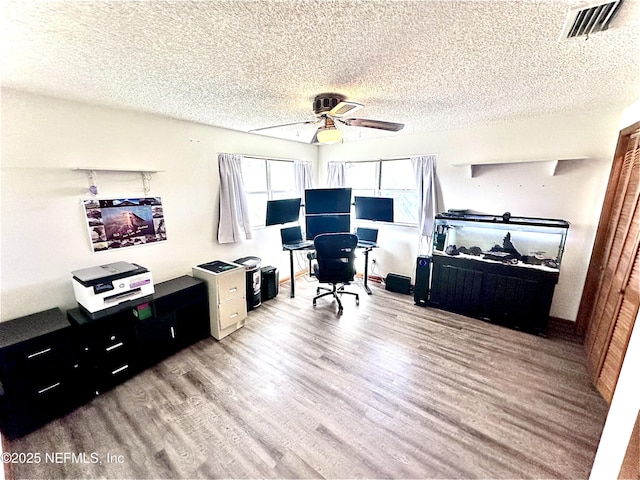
{"x": 575, "y": 193}
{"x": 44, "y": 236}
{"x": 43, "y": 232}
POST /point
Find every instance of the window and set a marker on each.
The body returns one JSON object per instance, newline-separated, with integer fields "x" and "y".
{"x": 397, "y": 180}
{"x": 386, "y": 178}
{"x": 362, "y": 177}
{"x": 266, "y": 180}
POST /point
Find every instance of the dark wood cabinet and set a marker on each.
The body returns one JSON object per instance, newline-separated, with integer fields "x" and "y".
{"x": 456, "y": 287}
{"x": 50, "y": 363}
{"x": 108, "y": 348}
{"x": 180, "y": 318}
{"x": 39, "y": 370}
{"x": 514, "y": 296}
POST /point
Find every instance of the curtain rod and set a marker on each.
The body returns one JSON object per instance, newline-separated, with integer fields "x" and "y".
{"x": 378, "y": 160}
{"x": 275, "y": 159}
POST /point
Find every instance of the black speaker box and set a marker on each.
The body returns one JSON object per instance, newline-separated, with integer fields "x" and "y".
{"x": 398, "y": 283}
{"x": 423, "y": 274}
{"x": 270, "y": 282}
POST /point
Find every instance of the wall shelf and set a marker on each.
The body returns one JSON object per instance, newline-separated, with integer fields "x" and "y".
{"x": 93, "y": 176}
{"x": 552, "y": 165}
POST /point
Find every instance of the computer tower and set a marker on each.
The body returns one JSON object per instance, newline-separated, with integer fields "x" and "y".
{"x": 253, "y": 278}
{"x": 270, "y": 282}
{"x": 423, "y": 275}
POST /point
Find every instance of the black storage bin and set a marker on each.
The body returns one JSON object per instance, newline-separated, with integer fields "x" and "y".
{"x": 270, "y": 282}
{"x": 252, "y": 268}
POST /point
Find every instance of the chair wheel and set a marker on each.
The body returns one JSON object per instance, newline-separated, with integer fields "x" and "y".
{"x": 357, "y": 300}
{"x": 314, "y": 303}
{"x": 340, "y": 311}
{"x": 317, "y": 290}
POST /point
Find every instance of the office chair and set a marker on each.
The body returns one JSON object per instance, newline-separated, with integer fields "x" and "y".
{"x": 335, "y": 254}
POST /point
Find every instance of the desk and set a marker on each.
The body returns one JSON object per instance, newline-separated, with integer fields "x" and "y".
{"x": 367, "y": 249}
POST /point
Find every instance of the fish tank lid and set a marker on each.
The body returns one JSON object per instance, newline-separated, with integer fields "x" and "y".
{"x": 503, "y": 219}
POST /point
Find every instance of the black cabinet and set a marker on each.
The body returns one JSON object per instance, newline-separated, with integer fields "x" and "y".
{"x": 456, "y": 286}
{"x": 117, "y": 346}
{"x": 514, "y": 296}
{"x": 108, "y": 348}
{"x": 50, "y": 363}
{"x": 39, "y": 370}
{"x": 180, "y": 317}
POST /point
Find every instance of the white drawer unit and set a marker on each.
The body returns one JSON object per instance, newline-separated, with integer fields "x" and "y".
{"x": 227, "y": 295}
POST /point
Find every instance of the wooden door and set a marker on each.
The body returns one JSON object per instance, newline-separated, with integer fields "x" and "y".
{"x": 612, "y": 293}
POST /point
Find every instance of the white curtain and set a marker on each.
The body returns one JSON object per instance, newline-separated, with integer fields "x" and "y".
{"x": 335, "y": 174}
{"x": 302, "y": 172}
{"x": 234, "y": 210}
{"x": 424, "y": 168}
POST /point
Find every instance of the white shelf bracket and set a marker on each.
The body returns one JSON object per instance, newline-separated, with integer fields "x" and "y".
{"x": 146, "y": 182}
{"x": 93, "y": 182}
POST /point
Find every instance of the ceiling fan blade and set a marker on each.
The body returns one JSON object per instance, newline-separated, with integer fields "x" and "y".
{"x": 283, "y": 125}
{"x": 314, "y": 140}
{"x": 379, "y": 124}
{"x": 344, "y": 108}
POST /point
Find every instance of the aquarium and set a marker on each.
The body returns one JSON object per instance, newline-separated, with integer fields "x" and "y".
{"x": 526, "y": 242}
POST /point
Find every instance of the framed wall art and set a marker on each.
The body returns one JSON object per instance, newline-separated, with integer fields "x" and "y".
{"x": 124, "y": 222}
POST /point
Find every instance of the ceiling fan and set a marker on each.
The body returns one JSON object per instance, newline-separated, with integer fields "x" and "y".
{"x": 330, "y": 108}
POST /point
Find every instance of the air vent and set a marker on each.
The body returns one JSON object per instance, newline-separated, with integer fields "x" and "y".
{"x": 594, "y": 18}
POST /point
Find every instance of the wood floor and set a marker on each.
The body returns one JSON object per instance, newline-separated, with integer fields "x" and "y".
{"x": 389, "y": 390}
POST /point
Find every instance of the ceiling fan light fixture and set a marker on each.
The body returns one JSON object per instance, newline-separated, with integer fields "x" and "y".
{"x": 329, "y": 134}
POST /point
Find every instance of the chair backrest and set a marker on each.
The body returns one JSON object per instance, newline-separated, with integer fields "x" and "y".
{"x": 335, "y": 254}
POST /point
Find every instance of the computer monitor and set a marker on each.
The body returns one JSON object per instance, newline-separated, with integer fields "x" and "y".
{"x": 327, "y": 200}
{"x": 379, "y": 209}
{"x": 367, "y": 235}
{"x": 291, "y": 235}
{"x": 283, "y": 211}
{"x": 317, "y": 224}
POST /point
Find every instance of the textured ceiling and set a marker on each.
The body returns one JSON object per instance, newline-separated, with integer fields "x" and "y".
{"x": 242, "y": 65}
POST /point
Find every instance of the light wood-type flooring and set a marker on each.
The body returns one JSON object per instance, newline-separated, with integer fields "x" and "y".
{"x": 388, "y": 390}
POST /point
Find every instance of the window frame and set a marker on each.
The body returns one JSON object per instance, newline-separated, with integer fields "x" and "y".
{"x": 269, "y": 192}
{"x": 377, "y": 188}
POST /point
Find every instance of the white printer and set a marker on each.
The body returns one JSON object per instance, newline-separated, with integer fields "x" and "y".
{"x": 103, "y": 290}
